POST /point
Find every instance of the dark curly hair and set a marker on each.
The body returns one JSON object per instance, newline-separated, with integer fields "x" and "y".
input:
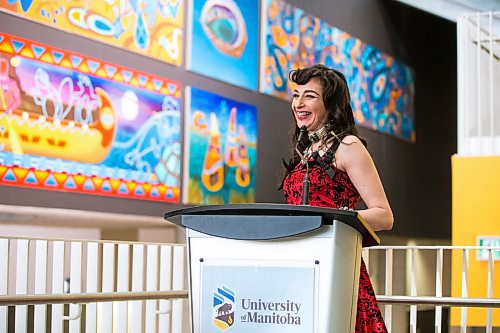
{"x": 337, "y": 101}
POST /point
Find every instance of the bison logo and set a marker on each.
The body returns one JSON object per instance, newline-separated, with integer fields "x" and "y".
{"x": 223, "y": 308}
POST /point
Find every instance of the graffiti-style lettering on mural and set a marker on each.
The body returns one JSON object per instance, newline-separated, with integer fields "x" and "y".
{"x": 73, "y": 123}
{"x": 149, "y": 27}
{"x": 382, "y": 88}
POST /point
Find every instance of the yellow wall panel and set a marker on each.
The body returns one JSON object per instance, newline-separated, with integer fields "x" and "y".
{"x": 475, "y": 212}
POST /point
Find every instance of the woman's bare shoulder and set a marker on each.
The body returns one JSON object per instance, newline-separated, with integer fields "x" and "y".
{"x": 351, "y": 139}
{"x": 350, "y": 151}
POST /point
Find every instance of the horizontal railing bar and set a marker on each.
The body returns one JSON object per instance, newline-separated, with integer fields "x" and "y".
{"x": 177, "y": 294}
{"x": 433, "y": 247}
{"x": 486, "y": 40}
{"x": 90, "y": 297}
{"x": 442, "y": 301}
{"x": 99, "y": 241}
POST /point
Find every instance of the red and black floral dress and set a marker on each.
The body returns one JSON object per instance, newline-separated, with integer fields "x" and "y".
{"x": 332, "y": 188}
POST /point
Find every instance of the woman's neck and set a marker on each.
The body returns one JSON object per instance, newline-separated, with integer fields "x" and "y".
{"x": 321, "y": 147}
{"x": 318, "y": 135}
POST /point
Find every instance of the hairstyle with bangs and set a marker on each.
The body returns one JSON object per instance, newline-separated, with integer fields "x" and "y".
{"x": 337, "y": 100}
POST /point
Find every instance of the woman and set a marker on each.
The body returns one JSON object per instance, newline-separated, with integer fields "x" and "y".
{"x": 341, "y": 170}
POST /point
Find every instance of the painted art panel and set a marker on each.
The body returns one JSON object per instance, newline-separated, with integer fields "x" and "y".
{"x": 220, "y": 149}
{"x": 77, "y": 124}
{"x": 382, "y": 88}
{"x": 224, "y": 41}
{"x": 153, "y": 28}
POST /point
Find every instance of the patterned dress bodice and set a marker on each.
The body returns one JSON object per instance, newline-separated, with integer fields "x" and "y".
{"x": 324, "y": 191}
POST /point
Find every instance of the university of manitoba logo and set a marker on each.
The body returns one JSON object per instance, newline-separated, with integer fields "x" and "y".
{"x": 223, "y": 308}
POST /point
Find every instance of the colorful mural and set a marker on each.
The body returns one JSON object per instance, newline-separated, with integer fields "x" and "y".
{"x": 224, "y": 41}
{"x": 220, "y": 149}
{"x": 77, "y": 124}
{"x": 382, "y": 88}
{"x": 149, "y": 27}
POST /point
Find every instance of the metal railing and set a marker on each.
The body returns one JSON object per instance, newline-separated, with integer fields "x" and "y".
{"x": 478, "y": 54}
{"x": 410, "y": 296}
{"x": 126, "y": 286}
{"x": 91, "y": 286}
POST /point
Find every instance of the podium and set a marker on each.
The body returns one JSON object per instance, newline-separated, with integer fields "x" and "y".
{"x": 272, "y": 268}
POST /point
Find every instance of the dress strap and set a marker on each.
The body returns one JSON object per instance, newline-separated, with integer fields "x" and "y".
{"x": 325, "y": 162}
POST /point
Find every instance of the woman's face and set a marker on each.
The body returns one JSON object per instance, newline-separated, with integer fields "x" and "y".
{"x": 308, "y": 107}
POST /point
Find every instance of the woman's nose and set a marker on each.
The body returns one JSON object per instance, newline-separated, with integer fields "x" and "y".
{"x": 299, "y": 102}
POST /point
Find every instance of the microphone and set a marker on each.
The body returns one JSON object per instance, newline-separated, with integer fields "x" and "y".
{"x": 306, "y": 182}
{"x": 303, "y": 130}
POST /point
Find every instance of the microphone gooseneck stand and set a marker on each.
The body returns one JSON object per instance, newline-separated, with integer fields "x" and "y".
{"x": 306, "y": 182}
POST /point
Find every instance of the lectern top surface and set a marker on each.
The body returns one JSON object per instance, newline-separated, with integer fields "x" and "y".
{"x": 326, "y": 216}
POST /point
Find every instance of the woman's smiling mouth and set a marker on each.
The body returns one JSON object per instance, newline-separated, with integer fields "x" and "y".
{"x": 301, "y": 115}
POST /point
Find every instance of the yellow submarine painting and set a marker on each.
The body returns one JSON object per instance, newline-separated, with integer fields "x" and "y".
{"x": 73, "y": 123}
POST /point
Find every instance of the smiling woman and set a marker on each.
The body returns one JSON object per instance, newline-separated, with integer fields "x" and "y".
{"x": 308, "y": 106}
{"x": 341, "y": 171}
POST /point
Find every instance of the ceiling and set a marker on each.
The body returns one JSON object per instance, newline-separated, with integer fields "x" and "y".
{"x": 481, "y": 5}
{"x": 452, "y": 9}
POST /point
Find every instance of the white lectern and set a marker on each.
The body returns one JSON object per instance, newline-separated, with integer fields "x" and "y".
{"x": 270, "y": 268}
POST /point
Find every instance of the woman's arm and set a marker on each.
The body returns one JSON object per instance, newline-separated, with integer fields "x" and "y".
{"x": 352, "y": 157}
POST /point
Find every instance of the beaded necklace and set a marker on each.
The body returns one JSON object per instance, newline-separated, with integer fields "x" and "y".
{"x": 318, "y": 135}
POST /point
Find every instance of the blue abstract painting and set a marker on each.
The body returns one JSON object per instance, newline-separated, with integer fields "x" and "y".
{"x": 223, "y": 41}
{"x": 382, "y": 87}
